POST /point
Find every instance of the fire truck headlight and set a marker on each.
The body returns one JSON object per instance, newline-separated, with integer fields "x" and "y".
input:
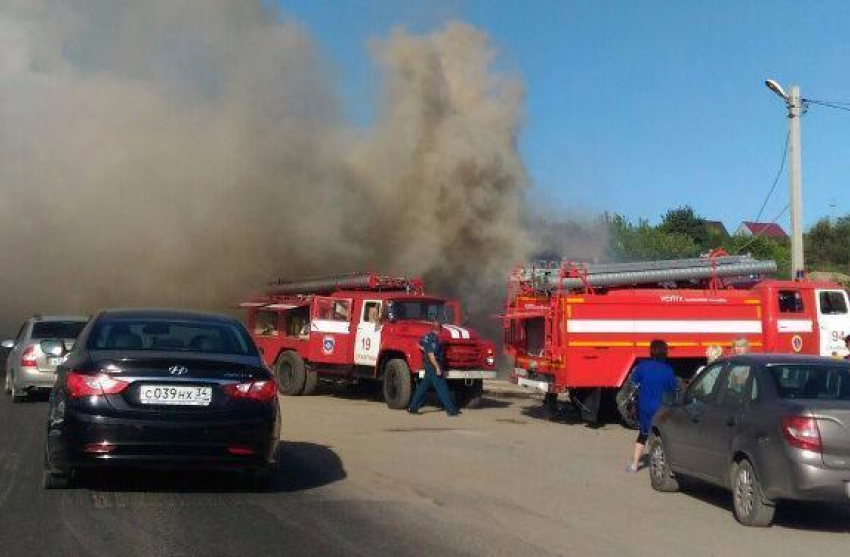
{"x": 491, "y": 360}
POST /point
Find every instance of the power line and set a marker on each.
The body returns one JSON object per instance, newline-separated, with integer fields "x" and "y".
{"x": 827, "y": 104}
{"x": 761, "y": 232}
{"x": 776, "y": 179}
{"x": 846, "y": 103}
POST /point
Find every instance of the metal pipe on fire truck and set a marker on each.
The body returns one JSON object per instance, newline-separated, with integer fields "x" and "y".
{"x": 794, "y": 102}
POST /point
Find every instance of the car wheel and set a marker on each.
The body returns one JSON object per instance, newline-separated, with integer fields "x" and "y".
{"x": 660, "y": 474}
{"x": 53, "y": 480}
{"x": 398, "y": 384}
{"x": 749, "y": 504}
{"x": 291, "y": 374}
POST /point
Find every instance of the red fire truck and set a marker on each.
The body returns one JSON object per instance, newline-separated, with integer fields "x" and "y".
{"x": 364, "y": 327}
{"x": 580, "y": 329}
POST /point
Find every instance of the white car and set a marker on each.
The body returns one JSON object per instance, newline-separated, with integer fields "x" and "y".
{"x": 28, "y": 367}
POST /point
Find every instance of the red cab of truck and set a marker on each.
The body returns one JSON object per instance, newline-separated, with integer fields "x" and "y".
{"x": 364, "y": 327}
{"x": 581, "y": 329}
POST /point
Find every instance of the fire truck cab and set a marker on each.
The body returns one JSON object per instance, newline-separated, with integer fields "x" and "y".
{"x": 582, "y": 332}
{"x": 364, "y": 327}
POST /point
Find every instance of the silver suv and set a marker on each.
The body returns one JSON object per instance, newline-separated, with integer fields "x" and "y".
{"x": 28, "y": 367}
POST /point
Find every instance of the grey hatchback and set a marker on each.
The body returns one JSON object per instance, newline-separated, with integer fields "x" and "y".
{"x": 28, "y": 367}
{"x": 769, "y": 427}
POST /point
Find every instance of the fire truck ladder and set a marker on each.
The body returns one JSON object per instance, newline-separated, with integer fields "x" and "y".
{"x": 350, "y": 281}
{"x": 608, "y": 275}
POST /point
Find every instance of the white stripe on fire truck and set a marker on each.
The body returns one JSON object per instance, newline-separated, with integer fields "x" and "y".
{"x": 329, "y": 326}
{"x": 451, "y": 331}
{"x": 464, "y": 333}
{"x": 661, "y": 326}
{"x": 794, "y": 326}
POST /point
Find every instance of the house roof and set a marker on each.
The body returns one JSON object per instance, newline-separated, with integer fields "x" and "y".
{"x": 768, "y": 229}
{"x": 717, "y": 226}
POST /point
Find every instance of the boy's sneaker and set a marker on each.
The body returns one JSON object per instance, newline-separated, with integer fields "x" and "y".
{"x": 631, "y": 469}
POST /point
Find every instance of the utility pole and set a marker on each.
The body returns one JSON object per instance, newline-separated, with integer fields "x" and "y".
{"x": 795, "y": 112}
{"x": 794, "y": 102}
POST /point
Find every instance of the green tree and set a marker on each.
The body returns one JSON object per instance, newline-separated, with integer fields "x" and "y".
{"x": 828, "y": 245}
{"x": 642, "y": 242}
{"x": 683, "y": 220}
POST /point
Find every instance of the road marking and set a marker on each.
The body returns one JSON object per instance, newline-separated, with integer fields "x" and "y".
{"x": 9, "y": 473}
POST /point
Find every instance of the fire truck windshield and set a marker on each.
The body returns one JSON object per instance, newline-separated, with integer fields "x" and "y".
{"x": 420, "y": 310}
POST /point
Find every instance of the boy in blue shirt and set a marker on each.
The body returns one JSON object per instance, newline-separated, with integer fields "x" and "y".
{"x": 654, "y": 378}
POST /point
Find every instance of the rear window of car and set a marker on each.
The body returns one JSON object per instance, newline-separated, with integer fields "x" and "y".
{"x": 812, "y": 381}
{"x": 42, "y": 330}
{"x": 212, "y": 337}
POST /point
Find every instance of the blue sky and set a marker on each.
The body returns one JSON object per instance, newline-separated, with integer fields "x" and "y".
{"x": 636, "y": 107}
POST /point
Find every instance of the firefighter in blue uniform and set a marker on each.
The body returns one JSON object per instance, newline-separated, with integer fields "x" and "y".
{"x": 431, "y": 357}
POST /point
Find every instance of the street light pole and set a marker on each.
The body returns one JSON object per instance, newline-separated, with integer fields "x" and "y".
{"x": 795, "y": 111}
{"x": 794, "y": 102}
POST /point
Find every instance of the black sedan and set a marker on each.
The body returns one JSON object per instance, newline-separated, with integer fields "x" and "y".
{"x": 161, "y": 389}
{"x": 768, "y": 427}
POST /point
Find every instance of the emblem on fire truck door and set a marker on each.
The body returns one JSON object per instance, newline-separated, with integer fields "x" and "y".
{"x": 328, "y": 344}
{"x": 797, "y": 343}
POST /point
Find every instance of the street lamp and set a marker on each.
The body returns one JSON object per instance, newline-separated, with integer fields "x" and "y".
{"x": 795, "y": 106}
{"x": 776, "y": 88}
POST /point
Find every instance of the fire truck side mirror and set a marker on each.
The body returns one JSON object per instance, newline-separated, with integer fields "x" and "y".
{"x": 389, "y": 313}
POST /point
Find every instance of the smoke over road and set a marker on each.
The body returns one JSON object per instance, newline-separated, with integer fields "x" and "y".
{"x": 183, "y": 153}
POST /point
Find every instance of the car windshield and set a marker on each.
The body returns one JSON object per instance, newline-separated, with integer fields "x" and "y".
{"x": 42, "y": 330}
{"x": 812, "y": 381}
{"x": 212, "y": 337}
{"x": 420, "y": 310}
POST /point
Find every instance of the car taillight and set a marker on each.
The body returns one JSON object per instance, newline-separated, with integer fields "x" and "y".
{"x": 256, "y": 390}
{"x": 28, "y": 357}
{"x": 80, "y": 385}
{"x": 802, "y": 432}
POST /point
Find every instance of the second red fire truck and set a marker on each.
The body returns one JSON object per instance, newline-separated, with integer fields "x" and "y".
{"x": 580, "y": 329}
{"x": 364, "y": 327}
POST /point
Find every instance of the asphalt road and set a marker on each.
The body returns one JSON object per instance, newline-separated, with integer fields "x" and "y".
{"x": 358, "y": 479}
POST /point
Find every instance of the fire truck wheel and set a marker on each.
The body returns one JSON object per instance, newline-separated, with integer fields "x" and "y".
{"x": 627, "y": 404}
{"x": 470, "y": 396}
{"x": 398, "y": 384}
{"x": 291, "y": 374}
{"x": 311, "y": 381}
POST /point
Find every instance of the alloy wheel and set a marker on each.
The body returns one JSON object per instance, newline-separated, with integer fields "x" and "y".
{"x": 744, "y": 491}
{"x": 658, "y": 463}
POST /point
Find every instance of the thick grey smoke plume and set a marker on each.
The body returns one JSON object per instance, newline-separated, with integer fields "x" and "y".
{"x": 184, "y": 153}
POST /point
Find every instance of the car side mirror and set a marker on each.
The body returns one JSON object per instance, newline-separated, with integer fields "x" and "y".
{"x": 8, "y": 344}
{"x": 53, "y": 347}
